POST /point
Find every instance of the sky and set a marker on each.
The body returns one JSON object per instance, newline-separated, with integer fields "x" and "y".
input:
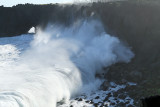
{"x": 9, "y": 3}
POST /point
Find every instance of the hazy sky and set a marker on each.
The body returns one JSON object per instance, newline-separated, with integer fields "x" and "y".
{"x": 14, "y": 2}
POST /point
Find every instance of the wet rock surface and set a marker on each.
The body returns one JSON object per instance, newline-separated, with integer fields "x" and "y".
{"x": 124, "y": 86}
{"x": 144, "y": 77}
{"x": 114, "y": 95}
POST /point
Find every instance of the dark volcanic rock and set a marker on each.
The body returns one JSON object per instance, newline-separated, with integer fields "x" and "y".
{"x": 80, "y": 99}
{"x": 153, "y": 101}
{"x": 105, "y": 85}
{"x": 95, "y": 104}
{"x": 97, "y": 97}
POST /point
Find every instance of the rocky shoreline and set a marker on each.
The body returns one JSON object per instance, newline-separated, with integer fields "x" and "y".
{"x": 114, "y": 96}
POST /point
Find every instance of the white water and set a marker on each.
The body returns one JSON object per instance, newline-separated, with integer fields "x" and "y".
{"x": 59, "y": 64}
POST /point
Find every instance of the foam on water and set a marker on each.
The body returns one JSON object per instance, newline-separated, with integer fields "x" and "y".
{"x": 59, "y": 64}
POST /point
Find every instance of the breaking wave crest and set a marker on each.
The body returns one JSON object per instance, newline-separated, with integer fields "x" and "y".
{"x": 59, "y": 64}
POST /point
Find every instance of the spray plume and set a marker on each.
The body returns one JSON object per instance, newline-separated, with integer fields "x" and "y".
{"x": 59, "y": 64}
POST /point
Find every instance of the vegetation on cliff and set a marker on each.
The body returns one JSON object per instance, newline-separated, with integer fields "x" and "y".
{"x": 19, "y": 19}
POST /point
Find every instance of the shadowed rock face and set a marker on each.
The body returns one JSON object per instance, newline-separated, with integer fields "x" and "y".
{"x": 153, "y": 101}
{"x": 137, "y": 24}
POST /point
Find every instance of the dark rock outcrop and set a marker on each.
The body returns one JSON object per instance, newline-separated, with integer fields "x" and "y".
{"x": 153, "y": 101}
